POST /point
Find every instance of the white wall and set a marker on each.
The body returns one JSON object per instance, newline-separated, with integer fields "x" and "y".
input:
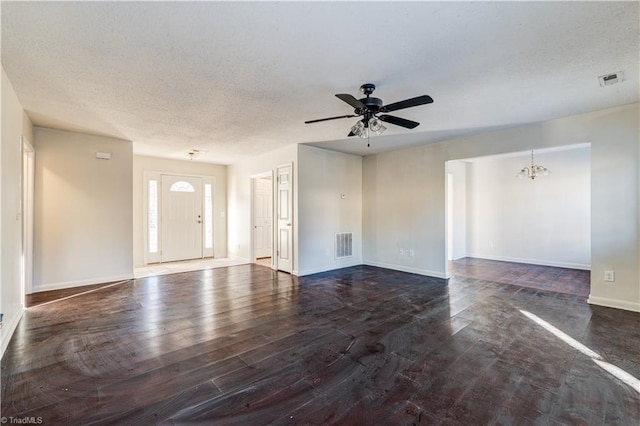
{"x": 323, "y": 176}
{"x": 239, "y": 199}
{"x": 404, "y": 197}
{"x": 83, "y": 228}
{"x": 187, "y": 167}
{"x": 546, "y": 221}
{"x": 15, "y": 124}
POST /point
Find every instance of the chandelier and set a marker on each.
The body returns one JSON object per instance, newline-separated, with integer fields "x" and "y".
{"x": 534, "y": 171}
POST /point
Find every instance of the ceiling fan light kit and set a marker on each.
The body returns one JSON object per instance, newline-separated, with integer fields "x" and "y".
{"x": 375, "y": 125}
{"x": 372, "y": 111}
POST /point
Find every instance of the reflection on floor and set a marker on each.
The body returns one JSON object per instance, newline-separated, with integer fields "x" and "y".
{"x": 247, "y": 345}
{"x": 147, "y": 271}
{"x": 562, "y": 280}
{"x": 42, "y": 297}
{"x": 264, "y": 261}
{"x": 185, "y": 266}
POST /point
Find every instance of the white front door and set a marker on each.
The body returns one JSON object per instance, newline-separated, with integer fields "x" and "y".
{"x": 285, "y": 219}
{"x": 262, "y": 208}
{"x": 181, "y": 218}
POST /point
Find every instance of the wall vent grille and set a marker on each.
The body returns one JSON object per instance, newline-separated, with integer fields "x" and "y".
{"x": 610, "y": 79}
{"x": 344, "y": 245}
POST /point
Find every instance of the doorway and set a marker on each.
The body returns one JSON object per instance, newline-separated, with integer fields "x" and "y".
{"x": 496, "y": 221}
{"x": 28, "y": 186}
{"x": 272, "y": 235}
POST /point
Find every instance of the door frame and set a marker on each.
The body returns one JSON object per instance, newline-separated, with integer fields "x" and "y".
{"x": 27, "y": 185}
{"x": 252, "y": 242}
{"x": 148, "y": 175}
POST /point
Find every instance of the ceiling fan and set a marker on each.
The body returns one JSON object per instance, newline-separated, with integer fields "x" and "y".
{"x": 372, "y": 111}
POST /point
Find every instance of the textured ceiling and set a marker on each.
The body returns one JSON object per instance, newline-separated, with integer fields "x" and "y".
{"x": 240, "y": 78}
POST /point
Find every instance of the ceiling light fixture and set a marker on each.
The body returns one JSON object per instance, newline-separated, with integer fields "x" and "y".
{"x": 359, "y": 129}
{"x": 363, "y": 128}
{"x": 193, "y": 153}
{"x": 534, "y": 171}
{"x": 376, "y": 125}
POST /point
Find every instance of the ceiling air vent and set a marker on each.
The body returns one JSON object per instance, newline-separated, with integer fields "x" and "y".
{"x": 609, "y": 79}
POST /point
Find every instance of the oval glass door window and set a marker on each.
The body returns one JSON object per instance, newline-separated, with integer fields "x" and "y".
{"x": 182, "y": 186}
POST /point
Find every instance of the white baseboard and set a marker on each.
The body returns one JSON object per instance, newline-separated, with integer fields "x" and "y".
{"x": 554, "y": 263}
{"x": 80, "y": 283}
{"x": 403, "y": 268}
{"x": 8, "y": 328}
{"x": 614, "y": 303}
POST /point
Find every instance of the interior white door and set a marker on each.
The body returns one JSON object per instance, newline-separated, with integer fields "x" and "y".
{"x": 263, "y": 206}
{"x": 285, "y": 219}
{"x": 181, "y": 231}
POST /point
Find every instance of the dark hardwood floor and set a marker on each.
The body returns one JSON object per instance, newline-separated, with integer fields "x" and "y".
{"x": 561, "y": 280}
{"x": 249, "y": 346}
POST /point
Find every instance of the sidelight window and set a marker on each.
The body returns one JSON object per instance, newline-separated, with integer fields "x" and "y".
{"x": 208, "y": 216}
{"x": 153, "y": 216}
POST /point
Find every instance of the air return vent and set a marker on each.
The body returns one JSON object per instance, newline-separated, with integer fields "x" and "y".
{"x": 344, "y": 245}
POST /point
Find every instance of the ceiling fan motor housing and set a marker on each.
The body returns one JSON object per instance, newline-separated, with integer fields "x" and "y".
{"x": 372, "y": 104}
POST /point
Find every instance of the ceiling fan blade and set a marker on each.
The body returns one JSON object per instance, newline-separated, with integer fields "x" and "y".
{"x": 399, "y": 121}
{"x": 329, "y": 118}
{"x": 407, "y": 103}
{"x": 351, "y": 101}
{"x": 351, "y": 134}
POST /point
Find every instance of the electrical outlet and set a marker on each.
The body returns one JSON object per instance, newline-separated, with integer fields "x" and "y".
{"x": 411, "y": 253}
{"x": 609, "y": 276}
{"x": 401, "y": 252}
